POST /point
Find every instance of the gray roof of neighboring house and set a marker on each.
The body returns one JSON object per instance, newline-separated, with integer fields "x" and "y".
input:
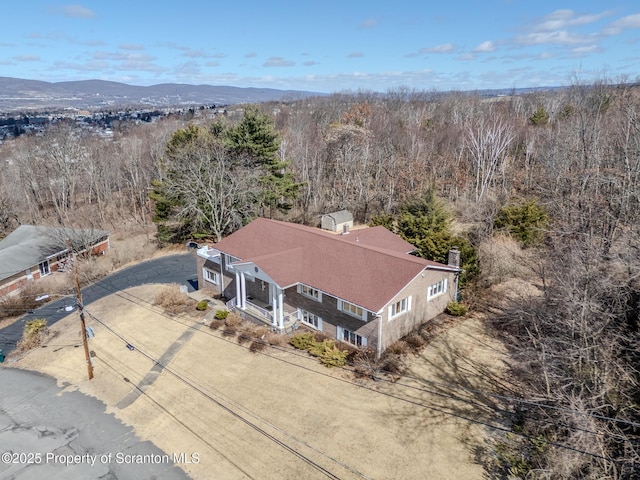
{"x": 29, "y": 245}
{"x": 341, "y": 216}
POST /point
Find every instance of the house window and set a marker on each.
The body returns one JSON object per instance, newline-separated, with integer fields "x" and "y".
{"x": 230, "y": 260}
{"x": 307, "y": 291}
{"x": 399, "y": 307}
{"x": 437, "y": 289}
{"x": 44, "y": 268}
{"x": 211, "y": 276}
{"x": 352, "y": 309}
{"x": 348, "y": 336}
{"x": 310, "y": 319}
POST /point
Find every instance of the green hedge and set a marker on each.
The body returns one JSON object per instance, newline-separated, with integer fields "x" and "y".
{"x": 327, "y": 350}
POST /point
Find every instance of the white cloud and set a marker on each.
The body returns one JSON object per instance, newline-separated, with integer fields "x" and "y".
{"x": 55, "y": 35}
{"x": 560, "y": 37}
{"x": 121, "y": 56}
{"x": 465, "y": 57}
{"x": 27, "y": 58}
{"x": 369, "y": 23}
{"x": 579, "y": 52}
{"x": 630, "y": 21}
{"x": 561, "y": 28}
{"x": 93, "y": 43}
{"x": 93, "y": 66}
{"x": 444, "y": 48}
{"x": 278, "y": 62}
{"x": 130, "y": 46}
{"x": 194, "y": 53}
{"x": 138, "y": 65}
{"x": 546, "y": 55}
{"x": 73, "y": 11}
{"x": 484, "y": 47}
{"x": 187, "y": 70}
{"x": 566, "y": 18}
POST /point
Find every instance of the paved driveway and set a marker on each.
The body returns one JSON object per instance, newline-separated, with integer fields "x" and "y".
{"x": 180, "y": 268}
{"x": 79, "y": 441}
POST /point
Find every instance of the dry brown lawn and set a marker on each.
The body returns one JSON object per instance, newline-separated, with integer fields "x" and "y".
{"x": 278, "y": 413}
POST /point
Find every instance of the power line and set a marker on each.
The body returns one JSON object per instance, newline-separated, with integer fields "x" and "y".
{"x": 150, "y": 307}
{"x": 407, "y": 400}
{"x": 236, "y": 415}
{"x": 174, "y": 417}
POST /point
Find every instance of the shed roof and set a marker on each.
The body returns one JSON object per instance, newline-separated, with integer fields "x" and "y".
{"x": 368, "y": 267}
{"x": 341, "y": 216}
{"x": 29, "y": 245}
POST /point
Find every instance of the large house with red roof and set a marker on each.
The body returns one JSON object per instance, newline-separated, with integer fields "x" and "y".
{"x": 362, "y": 286}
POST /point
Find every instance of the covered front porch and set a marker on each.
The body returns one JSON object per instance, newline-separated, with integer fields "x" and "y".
{"x": 261, "y": 298}
{"x": 263, "y": 314}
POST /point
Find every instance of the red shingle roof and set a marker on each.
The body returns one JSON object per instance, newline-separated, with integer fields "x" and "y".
{"x": 367, "y": 267}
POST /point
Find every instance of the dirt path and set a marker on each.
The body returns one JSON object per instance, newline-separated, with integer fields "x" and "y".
{"x": 277, "y": 414}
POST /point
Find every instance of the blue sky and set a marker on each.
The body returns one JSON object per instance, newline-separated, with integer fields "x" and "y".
{"x": 323, "y": 46}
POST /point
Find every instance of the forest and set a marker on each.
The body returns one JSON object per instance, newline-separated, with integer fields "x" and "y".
{"x": 542, "y": 189}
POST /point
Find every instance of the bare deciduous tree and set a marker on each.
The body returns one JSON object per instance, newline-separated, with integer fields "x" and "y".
{"x": 487, "y": 144}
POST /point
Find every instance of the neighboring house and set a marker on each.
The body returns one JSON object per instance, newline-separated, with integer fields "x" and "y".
{"x": 340, "y": 221}
{"x": 364, "y": 287}
{"x": 32, "y": 252}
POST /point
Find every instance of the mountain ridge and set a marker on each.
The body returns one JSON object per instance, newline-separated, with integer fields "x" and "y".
{"x": 17, "y": 94}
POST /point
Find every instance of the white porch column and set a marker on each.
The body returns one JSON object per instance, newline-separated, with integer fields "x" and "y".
{"x": 280, "y": 309}
{"x": 274, "y": 310}
{"x": 243, "y": 288}
{"x": 238, "y": 292}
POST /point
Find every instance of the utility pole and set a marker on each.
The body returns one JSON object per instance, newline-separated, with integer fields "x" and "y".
{"x": 84, "y": 327}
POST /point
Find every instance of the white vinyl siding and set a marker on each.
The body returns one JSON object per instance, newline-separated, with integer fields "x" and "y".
{"x": 211, "y": 276}
{"x": 352, "y": 309}
{"x": 437, "y": 289}
{"x": 399, "y": 307}
{"x": 310, "y": 319}
{"x": 310, "y": 292}
{"x": 348, "y": 336}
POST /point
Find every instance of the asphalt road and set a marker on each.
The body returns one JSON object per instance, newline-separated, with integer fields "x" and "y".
{"x": 179, "y": 268}
{"x": 46, "y": 432}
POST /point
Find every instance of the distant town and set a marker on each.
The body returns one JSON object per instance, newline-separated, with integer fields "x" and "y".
{"x": 102, "y": 123}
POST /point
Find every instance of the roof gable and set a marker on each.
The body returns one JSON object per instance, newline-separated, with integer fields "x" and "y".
{"x": 367, "y": 267}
